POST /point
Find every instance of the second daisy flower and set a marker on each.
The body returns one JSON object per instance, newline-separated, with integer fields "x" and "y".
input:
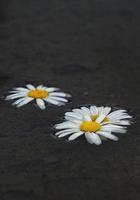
{"x": 96, "y": 123}
{"x": 40, "y": 94}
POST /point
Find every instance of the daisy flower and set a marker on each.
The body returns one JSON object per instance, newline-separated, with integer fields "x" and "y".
{"x": 95, "y": 123}
{"x": 40, "y": 94}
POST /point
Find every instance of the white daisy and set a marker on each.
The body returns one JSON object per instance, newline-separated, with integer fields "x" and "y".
{"x": 96, "y": 123}
{"x": 40, "y": 94}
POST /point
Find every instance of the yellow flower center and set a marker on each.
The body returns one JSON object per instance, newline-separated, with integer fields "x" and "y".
{"x": 94, "y": 117}
{"x": 90, "y": 126}
{"x": 38, "y": 94}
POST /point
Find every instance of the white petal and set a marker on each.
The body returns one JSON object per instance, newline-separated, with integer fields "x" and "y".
{"x": 74, "y": 120}
{"x": 119, "y": 117}
{"x": 59, "y": 94}
{"x": 108, "y": 135}
{"x": 106, "y": 110}
{"x": 15, "y": 96}
{"x": 27, "y": 100}
{"x": 58, "y": 99}
{"x": 52, "y": 89}
{"x": 72, "y": 130}
{"x": 43, "y": 88}
{"x": 73, "y": 115}
{"x": 100, "y": 118}
{"x": 100, "y": 110}
{"x": 41, "y": 104}
{"x": 66, "y": 125}
{"x": 86, "y": 113}
{"x": 40, "y": 87}
{"x": 93, "y": 138}
{"x": 87, "y": 117}
{"x": 19, "y": 101}
{"x": 117, "y": 112}
{"x": 94, "y": 110}
{"x": 18, "y": 92}
{"x": 30, "y": 87}
{"x": 78, "y": 111}
{"x": 21, "y": 89}
{"x": 67, "y": 133}
{"x": 86, "y": 110}
{"x": 75, "y": 135}
{"x": 121, "y": 122}
{"x": 54, "y": 102}
{"x": 113, "y": 128}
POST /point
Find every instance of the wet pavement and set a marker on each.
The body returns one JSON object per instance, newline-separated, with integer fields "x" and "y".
{"x": 91, "y": 50}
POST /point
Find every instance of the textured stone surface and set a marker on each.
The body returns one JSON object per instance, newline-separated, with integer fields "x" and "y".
{"x": 89, "y": 48}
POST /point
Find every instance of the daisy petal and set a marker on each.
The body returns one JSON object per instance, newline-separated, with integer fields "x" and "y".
{"x": 119, "y": 117}
{"x": 73, "y": 115}
{"x": 19, "y": 92}
{"x": 75, "y": 135}
{"x": 59, "y": 94}
{"x": 117, "y": 112}
{"x": 66, "y": 125}
{"x": 86, "y": 111}
{"x": 100, "y": 110}
{"x": 52, "y": 89}
{"x": 41, "y": 104}
{"x": 78, "y": 111}
{"x": 58, "y": 99}
{"x": 108, "y": 135}
{"x": 19, "y": 101}
{"x": 40, "y": 87}
{"x": 106, "y": 110}
{"x": 72, "y": 130}
{"x": 14, "y": 96}
{"x": 22, "y": 103}
{"x": 93, "y": 138}
{"x": 30, "y": 87}
{"x": 100, "y": 118}
{"x": 21, "y": 89}
{"x": 71, "y": 119}
{"x": 54, "y": 102}
{"x": 67, "y": 133}
{"x": 121, "y": 122}
{"x": 113, "y": 128}
{"x": 93, "y": 110}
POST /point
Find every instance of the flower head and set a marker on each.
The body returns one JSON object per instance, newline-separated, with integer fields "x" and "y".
{"x": 40, "y": 94}
{"x": 96, "y": 123}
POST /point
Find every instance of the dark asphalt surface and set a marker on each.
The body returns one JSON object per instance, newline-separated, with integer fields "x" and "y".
{"x": 89, "y": 48}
